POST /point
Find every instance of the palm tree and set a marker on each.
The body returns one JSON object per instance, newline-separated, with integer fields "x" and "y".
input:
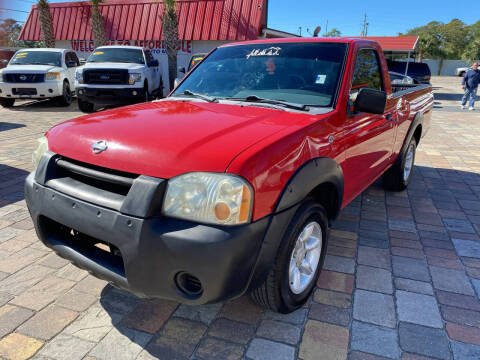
{"x": 46, "y": 23}
{"x": 98, "y": 24}
{"x": 170, "y": 34}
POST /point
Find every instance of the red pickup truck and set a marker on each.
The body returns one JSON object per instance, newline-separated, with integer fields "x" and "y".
{"x": 230, "y": 184}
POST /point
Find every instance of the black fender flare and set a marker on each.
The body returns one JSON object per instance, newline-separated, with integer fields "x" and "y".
{"x": 417, "y": 120}
{"x": 310, "y": 175}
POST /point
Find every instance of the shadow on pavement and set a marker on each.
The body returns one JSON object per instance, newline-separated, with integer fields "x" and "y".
{"x": 168, "y": 330}
{"x": 43, "y": 106}
{"x": 4, "y": 126}
{"x": 11, "y": 184}
{"x": 445, "y": 96}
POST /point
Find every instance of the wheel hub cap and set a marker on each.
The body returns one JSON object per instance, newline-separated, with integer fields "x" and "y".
{"x": 407, "y": 168}
{"x": 305, "y": 257}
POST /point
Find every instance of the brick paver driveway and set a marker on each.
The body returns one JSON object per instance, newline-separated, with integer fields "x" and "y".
{"x": 402, "y": 275}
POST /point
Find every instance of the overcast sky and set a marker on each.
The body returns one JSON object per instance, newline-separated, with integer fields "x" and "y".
{"x": 385, "y": 17}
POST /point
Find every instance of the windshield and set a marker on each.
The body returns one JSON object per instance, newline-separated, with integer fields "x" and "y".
{"x": 119, "y": 55}
{"x": 37, "y": 58}
{"x": 301, "y": 73}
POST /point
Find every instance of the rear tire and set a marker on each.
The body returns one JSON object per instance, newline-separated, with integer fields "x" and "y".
{"x": 7, "y": 103}
{"x": 279, "y": 292}
{"x": 85, "y": 106}
{"x": 66, "y": 98}
{"x": 398, "y": 176}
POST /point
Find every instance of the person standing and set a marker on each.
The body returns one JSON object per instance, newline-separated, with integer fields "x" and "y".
{"x": 470, "y": 82}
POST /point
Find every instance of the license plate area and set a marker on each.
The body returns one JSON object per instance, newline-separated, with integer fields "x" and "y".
{"x": 24, "y": 91}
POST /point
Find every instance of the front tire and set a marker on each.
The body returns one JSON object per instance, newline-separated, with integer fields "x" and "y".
{"x": 398, "y": 176}
{"x": 298, "y": 262}
{"x": 85, "y": 106}
{"x": 66, "y": 98}
{"x": 7, "y": 103}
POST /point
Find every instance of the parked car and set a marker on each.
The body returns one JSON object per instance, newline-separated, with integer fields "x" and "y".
{"x": 5, "y": 56}
{"x": 117, "y": 75}
{"x": 39, "y": 73}
{"x": 418, "y": 71}
{"x": 461, "y": 71}
{"x": 397, "y": 78}
{"x": 228, "y": 187}
{"x": 194, "y": 60}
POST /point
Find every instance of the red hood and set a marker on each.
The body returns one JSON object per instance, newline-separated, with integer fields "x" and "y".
{"x": 168, "y": 138}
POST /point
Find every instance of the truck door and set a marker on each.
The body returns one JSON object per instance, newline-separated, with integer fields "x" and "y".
{"x": 369, "y": 137}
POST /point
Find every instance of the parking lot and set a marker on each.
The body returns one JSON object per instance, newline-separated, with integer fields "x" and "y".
{"x": 401, "y": 278}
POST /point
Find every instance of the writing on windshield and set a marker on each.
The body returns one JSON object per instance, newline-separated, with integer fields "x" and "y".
{"x": 305, "y": 73}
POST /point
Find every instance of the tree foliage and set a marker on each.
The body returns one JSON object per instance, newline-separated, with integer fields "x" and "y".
{"x": 170, "y": 33}
{"x": 9, "y": 32}
{"x": 333, "y": 33}
{"x": 472, "y": 49}
{"x": 98, "y": 25}
{"x": 453, "y": 40}
{"x": 46, "y": 23}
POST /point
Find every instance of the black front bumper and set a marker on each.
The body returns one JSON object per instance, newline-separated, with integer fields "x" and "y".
{"x": 150, "y": 251}
{"x": 110, "y": 96}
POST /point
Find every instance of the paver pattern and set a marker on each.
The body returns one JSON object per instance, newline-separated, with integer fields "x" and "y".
{"x": 401, "y": 278}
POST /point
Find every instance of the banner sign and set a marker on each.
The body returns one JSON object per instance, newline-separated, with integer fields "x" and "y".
{"x": 155, "y": 46}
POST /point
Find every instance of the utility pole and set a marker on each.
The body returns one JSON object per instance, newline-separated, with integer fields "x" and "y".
{"x": 300, "y": 30}
{"x": 364, "y": 31}
{"x": 326, "y": 28}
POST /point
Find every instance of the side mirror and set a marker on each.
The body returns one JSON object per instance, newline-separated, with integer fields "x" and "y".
{"x": 153, "y": 63}
{"x": 182, "y": 70}
{"x": 176, "y": 82}
{"x": 4, "y": 61}
{"x": 83, "y": 61}
{"x": 370, "y": 101}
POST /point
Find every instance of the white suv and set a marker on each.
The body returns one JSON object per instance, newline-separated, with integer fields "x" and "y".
{"x": 39, "y": 74}
{"x": 117, "y": 75}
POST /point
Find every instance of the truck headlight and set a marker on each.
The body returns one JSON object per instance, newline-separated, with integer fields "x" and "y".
{"x": 134, "y": 77}
{"x": 52, "y": 76}
{"x": 79, "y": 77}
{"x": 42, "y": 148}
{"x": 209, "y": 198}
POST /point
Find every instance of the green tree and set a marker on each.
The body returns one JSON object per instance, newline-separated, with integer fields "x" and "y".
{"x": 472, "y": 49}
{"x": 429, "y": 40}
{"x": 170, "y": 34}
{"x": 9, "y": 30}
{"x": 46, "y": 23}
{"x": 98, "y": 24}
{"x": 333, "y": 33}
{"x": 454, "y": 36}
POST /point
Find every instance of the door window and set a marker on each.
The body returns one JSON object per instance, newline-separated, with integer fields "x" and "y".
{"x": 149, "y": 57}
{"x": 367, "y": 71}
{"x": 71, "y": 57}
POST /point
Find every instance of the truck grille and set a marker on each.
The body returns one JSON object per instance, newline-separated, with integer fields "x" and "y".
{"x": 24, "y": 78}
{"x": 114, "y": 181}
{"x": 105, "y": 76}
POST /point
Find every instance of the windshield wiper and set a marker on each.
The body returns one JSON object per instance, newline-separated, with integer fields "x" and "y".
{"x": 256, "y": 99}
{"x": 200, "y": 96}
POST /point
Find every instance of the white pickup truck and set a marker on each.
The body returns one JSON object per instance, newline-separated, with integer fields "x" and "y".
{"x": 117, "y": 75}
{"x": 39, "y": 74}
